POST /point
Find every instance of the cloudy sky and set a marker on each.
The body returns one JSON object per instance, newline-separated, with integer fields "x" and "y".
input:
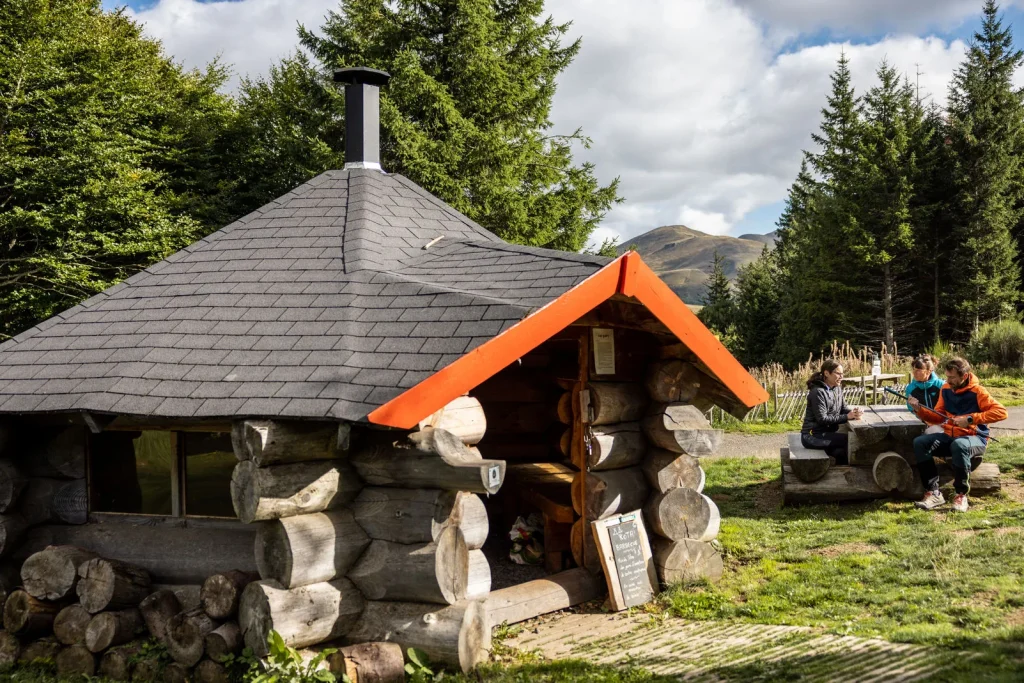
{"x": 701, "y": 107}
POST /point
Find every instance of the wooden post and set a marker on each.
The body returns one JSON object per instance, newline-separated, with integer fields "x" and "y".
{"x": 579, "y": 440}
{"x": 775, "y": 398}
{"x": 864, "y": 390}
{"x": 874, "y": 390}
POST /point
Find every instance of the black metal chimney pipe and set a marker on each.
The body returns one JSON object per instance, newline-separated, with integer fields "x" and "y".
{"x": 362, "y": 115}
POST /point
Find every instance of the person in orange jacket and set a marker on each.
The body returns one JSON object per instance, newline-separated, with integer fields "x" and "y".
{"x": 968, "y": 409}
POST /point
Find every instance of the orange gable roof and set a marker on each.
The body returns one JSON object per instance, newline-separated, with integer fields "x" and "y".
{"x": 627, "y": 275}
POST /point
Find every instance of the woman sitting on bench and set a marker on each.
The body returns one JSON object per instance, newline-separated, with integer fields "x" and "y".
{"x": 826, "y": 410}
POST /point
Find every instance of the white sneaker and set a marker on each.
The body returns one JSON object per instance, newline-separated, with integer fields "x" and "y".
{"x": 931, "y": 500}
{"x": 960, "y": 503}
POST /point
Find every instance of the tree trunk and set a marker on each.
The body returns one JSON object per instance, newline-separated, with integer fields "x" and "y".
{"x": 608, "y": 493}
{"x": 420, "y": 515}
{"x": 157, "y": 610}
{"x": 10, "y": 650}
{"x": 262, "y": 493}
{"x": 209, "y": 671}
{"x": 887, "y": 317}
{"x": 70, "y": 625}
{"x": 54, "y": 500}
{"x": 26, "y": 617}
{"x": 273, "y": 442}
{"x": 369, "y": 663}
{"x": 298, "y": 551}
{"x": 683, "y": 513}
{"x": 892, "y": 472}
{"x": 111, "y": 585}
{"x": 672, "y": 381}
{"x": 615, "y": 446}
{"x": 75, "y": 661}
{"x": 12, "y": 528}
{"x": 686, "y": 561}
{"x": 186, "y": 635}
{"x": 116, "y": 664}
{"x": 666, "y": 470}
{"x": 458, "y": 635}
{"x": 43, "y": 651}
{"x": 12, "y": 483}
{"x": 176, "y": 672}
{"x": 593, "y": 563}
{"x": 108, "y": 629}
{"x": 224, "y": 640}
{"x": 433, "y": 572}
{"x": 681, "y": 428}
{"x": 464, "y": 417}
{"x": 221, "y": 592}
{"x": 303, "y": 616}
{"x": 434, "y": 459}
{"x": 478, "y": 584}
{"x": 52, "y": 574}
{"x": 616, "y": 402}
{"x": 556, "y": 592}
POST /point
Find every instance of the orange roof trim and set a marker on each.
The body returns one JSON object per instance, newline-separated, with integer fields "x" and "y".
{"x": 627, "y": 275}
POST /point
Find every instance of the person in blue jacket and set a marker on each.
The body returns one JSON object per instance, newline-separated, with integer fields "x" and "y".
{"x": 926, "y": 386}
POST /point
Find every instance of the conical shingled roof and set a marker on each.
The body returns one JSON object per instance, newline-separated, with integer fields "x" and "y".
{"x": 323, "y": 303}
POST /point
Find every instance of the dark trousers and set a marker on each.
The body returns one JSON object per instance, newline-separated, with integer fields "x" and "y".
{"x": 833, "y": 443}
{"x": 961, "y": 451}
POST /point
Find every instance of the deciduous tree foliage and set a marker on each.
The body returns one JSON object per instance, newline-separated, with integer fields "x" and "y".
{"x": 110, "y": 154}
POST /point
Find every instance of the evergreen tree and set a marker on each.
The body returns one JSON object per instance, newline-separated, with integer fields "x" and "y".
{"x": 757, "y": 309}
{"x": 985, "y": 128}
{"x": 719, "y": 310}
{"x": 111, "y": 154}
{"x": 466, "y": 115}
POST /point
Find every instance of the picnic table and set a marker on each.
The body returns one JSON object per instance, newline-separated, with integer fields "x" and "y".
{"x": 873, "y": 383}
{"x": 881, "y": 429}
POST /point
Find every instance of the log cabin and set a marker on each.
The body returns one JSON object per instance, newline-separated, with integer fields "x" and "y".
{"x": 353, "y": 392}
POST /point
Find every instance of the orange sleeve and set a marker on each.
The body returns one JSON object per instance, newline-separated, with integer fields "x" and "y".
{"x": 929, "y": 417}
{"x": 991, "y": 409}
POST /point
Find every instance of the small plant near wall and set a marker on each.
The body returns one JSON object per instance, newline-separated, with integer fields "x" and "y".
{"x": 283, "y": 665}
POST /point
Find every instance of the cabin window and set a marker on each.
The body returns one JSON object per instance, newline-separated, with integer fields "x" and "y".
{"x": 175, "y": 474}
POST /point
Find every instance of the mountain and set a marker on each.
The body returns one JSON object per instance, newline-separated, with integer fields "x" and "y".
{"x": 682, "y": 256}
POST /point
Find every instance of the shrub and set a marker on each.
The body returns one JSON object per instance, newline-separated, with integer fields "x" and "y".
{"x": 1000, "y": 343}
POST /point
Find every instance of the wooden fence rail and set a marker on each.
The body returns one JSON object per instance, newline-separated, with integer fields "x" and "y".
{"x": 786, "y": 405}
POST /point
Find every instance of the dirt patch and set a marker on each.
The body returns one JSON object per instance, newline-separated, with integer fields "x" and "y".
{"x": 1015, "y": 618}
{"x": 1006, "y": 530}
{"x": 769, "y": 496}
{"x": 847, "y": 549}
{"x": 1013, "y": 488}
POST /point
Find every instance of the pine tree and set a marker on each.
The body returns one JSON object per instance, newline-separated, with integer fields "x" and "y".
{"x": 466, "y": 114}
{"x": 985, "y": 130}
{"x": 719, "y": 310}
{"x": 757, "y": 309}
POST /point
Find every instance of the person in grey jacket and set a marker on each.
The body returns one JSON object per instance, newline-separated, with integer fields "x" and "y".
{"x": 826, "y": 410}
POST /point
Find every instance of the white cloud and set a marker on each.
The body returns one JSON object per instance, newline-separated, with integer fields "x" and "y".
{"x": 689, "y": 101}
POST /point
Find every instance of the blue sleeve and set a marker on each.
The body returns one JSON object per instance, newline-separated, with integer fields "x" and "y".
{"x": 907, "y": 392}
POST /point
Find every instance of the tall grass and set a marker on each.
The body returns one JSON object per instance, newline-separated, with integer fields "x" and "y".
{"x": 999, "y": 343}
{"x": 855, "y": 362}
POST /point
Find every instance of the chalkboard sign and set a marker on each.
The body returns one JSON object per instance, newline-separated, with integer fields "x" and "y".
{"x": 625, "y": 553}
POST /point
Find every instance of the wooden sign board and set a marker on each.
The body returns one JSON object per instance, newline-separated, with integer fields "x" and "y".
{"x": 625, "y": 551}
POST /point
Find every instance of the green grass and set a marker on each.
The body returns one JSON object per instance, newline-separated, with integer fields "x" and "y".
{"x": 731, "y": 426}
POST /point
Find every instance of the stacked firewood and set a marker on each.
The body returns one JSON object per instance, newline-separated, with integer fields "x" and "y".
{"x": 377, "y": 540}
{"x": 683, "y": 519}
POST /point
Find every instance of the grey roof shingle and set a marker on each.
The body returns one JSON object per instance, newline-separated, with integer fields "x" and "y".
{"x": 323, "y": 303}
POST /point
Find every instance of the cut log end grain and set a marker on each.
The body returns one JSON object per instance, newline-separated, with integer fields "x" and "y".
{"x": 10, "y": 649}
{"x": 369, "y": 663}
{"x": 70, "y": 625}
{"x": 52, "y": 573}
{"x": 208, "y": 671}
{"x": 42, "y": 651}
{"x": 175, "y": 672}
{"x": 116, "y": 664}
{"x": 28, "y": 617}
{"x": 683, "y": 513}
{"x": 12, "y": 483}
{"x": 303, "y": 616}
{"x": 458, "y": 635}
{"x": 224, "y": 640}
{"x": 686, "y": 561}
{"x": 672, "y": 381}
{"x": 108, "y": 629}
{"x": 464, "y": 417}
{"x": 146, "y": 670}
{"x": 891, "y": 472}
{"x": 666, "y": 470}
{"x": 111, "y": 585}
{"x": 221, "y": 592}
{"x": 157, "y": 610}
{"x": 298, "y": 551}
{"x": 262, "y": 493}
{"x": 433, "y": 572}
{"x": 75, "y": 661}
{"x": 12, "y": 528}
{"x": 681, "y": 428}
{"x": 186, "y": 636}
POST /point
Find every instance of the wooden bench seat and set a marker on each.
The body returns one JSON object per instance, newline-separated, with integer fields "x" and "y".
{"x": 808, "y": 464}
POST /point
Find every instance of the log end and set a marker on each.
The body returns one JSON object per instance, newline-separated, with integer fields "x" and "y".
{"x": 243, "y": 494}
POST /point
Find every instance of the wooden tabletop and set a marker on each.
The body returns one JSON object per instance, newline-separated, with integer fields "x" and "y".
{"x": 885, "y": 377}
{"x": 882, "y": 428}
